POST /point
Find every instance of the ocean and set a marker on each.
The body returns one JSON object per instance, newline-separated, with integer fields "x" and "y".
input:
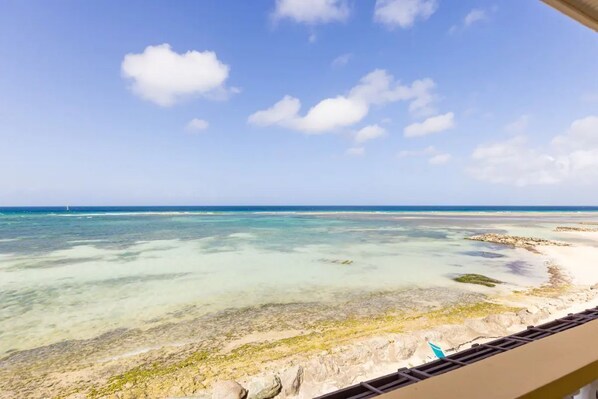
{"x": 79, "y": 273}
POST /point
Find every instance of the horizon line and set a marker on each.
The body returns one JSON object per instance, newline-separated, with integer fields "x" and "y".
{"x": 303, "y": 205}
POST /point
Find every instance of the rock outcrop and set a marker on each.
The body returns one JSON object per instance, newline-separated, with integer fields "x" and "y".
{"x": 228, "y": 390}
{"x": 292, "y": 379}
{"x": 265, "y": 387}
{"x": 529, "y": 243}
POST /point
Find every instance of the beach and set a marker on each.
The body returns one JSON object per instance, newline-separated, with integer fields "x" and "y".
{"x": 171, "y": 304}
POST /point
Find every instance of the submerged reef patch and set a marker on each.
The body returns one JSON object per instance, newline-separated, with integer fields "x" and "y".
{"x": 479, "y": 279}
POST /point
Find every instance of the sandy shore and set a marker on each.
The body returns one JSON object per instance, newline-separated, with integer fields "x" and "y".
{"x": 331, "y": 346}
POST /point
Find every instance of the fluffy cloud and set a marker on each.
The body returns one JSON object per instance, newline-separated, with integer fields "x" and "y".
{"x": 368, "y": 133}
{"x": 164, "y": 77}
{"x": 376, "y": 88}
{"x": 327, "y": 115}
{"x": 583, "y": 133}
{"x": 196, "y": 125}
{"x": 435, "y": 124}
{"x": 512, "y": 162}
{"x": 312, "y": 11}
{"x": 435, "y": 157}
{"x": 571, "y": 156}
{"x": 403, "y": 13}
{"x": 282, "y": 113}
{"x": 333, "y": 113}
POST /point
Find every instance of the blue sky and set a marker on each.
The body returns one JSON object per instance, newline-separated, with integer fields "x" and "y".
{"x": 296, "y": 102}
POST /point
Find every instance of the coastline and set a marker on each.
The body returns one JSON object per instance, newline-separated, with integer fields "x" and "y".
{"x": 336, "y": 355}
{"x": 370, "y": 337}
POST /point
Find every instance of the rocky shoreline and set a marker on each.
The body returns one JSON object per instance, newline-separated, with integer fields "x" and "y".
{"x": 228, "y": 344}
{"x": 308, "y": 362}
{"x": 376, "y": 356}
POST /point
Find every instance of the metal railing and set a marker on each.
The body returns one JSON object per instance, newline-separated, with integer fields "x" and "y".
{"x": 408, "y": 376}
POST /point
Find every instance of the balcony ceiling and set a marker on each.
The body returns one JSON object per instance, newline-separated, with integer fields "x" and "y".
{"x": 583, "y": 11}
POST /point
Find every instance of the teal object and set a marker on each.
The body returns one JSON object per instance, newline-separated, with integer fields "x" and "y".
{"x": 437, "y": 351}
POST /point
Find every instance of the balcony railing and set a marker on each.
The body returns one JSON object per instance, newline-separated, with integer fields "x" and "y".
{"x": 557, "y": 360}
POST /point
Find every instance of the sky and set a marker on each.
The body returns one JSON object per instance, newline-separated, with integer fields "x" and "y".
{"x": 291, "y": 102}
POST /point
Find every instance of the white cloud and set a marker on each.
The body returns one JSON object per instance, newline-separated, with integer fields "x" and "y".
{"x": 379, "y": 87}
{"x": 512, "y": 162}
{"x": 434, "y": 124}
{"x": 196, "y": 125}
{"x": 327, "y": 115}
{"x": 368, "y": 133}
{"x": 282, "y": 113}
{"x": 582, "y": 133}
{"x": 572, "y": 156}
{"x": 518, "y": 126}
{"x": 333, "y": 113}
{"x": 312, "y": 11}
{"x": 424, "y": 98}
{"x": 403, "y": 13}
{"x": 164, "y": 77}
{"x": 330, "y": 114}
{"x": 355, "y": 151}
{"x": 341, "y": 60}
{"x": 471, "y": 18}
{"x": 434, "y": 156}
{"x": 474, "y": 16}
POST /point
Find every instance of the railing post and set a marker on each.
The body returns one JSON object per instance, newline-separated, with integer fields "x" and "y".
{"x": 590, "y": 391}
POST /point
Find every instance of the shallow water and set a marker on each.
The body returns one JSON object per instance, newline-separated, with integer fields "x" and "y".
{"x": 77, "y": 274}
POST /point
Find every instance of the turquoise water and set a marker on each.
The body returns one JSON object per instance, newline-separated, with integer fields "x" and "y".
{"x": 76, "y": 274}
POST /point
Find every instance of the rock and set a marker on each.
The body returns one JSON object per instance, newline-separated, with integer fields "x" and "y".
{"x": 228, "y": 390}
{"x": 265, "y": 387}
{"x": 576, "y": 228}
{"x": 292, "y": 379}
{"x": 528, "y": 243}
